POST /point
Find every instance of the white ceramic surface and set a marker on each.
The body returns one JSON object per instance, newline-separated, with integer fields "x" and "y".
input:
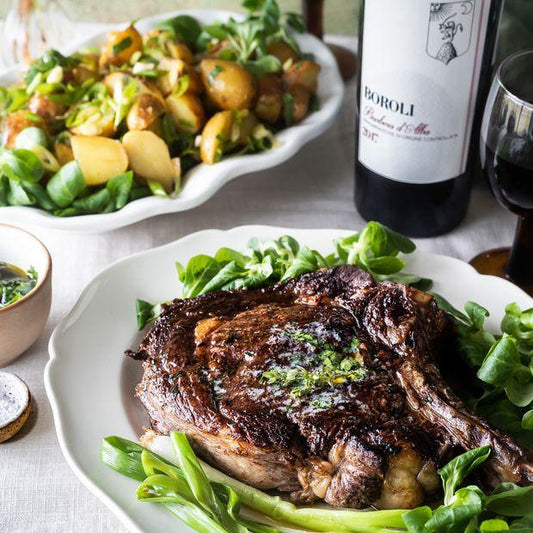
{"x": 203, "y": 181}
{"x": 90, "y": 383}
{"x": 14, "y": 398}
{"x": 22, "y": 249}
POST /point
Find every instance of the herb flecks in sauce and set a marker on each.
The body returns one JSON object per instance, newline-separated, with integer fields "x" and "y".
{"x": 15, "y": 283}
{"x": 324, "y": 368}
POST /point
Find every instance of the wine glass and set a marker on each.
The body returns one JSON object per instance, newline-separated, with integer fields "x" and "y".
{"x": 507, "y": 159}
{"x": 31, "y": 27}
{"x": 313, "y": 13}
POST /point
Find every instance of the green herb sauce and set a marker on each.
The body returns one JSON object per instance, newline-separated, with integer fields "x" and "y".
{"x": 15, "y": 283}
{"x": 326, "y": 367}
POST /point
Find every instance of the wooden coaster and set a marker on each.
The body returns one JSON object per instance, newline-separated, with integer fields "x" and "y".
{"x": 15, "y": 405}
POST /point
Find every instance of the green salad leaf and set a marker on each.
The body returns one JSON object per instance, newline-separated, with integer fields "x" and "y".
{"x": 21, "y": 165}
{"x": 504, "y": 365}
{"x": 296, "y": 22}
{"x": 30, "y": 137}
{"x": 509, "y": 499}
{"x": 49, "y": 60}
{"x": 473, "y": 340}
{"x": 454, "y": 473}
{"x": 523, "y": 525}
{"x": 375, "y": 249}
{"x": 114, "y": 196}
{"x": 248, "y": 39}
{"x": 183, "y": 26}
{"x": 469, "y": 509}
{"x": 146, "y": 312}
{"x": 20, "y": 173}
{"x": 267, "y": 64}
{"x": 66, "y": 185}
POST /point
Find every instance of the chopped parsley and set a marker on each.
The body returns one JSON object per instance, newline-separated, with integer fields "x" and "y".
{"x": 325, "y": 367}
{"x": 215, "y": 71}
{"x": 231, "y": 337}
{"x": 122, "y": 45}
{"x": 288, "y": 108}
{"x": 185, "y": 123}
{"x": 322, "y": 403}
{"x": 181, "y": 85}
{"x": 219, "y": 151}
{"x": 314, "y": 103}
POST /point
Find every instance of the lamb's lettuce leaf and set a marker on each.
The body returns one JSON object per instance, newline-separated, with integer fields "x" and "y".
{"x": 184, "y": 27}
{"x": 454, "y": 473}
{"x": 67, "y": 184}
{"x": 374, "y": 249}
{"x": 503, "y": 362}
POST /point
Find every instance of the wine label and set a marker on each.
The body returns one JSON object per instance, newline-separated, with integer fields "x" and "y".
{"x": 419, "y": 81}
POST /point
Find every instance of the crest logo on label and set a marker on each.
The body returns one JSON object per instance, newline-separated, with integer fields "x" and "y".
{"x": 450, "y": 29}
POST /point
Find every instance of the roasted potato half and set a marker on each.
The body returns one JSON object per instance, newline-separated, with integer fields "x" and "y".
{"x": 120, "y": 46}
{"x": 146, "y": 109}
{"x": 283, "y": 51}
{"x": 215, "y": 134}
{"x": 174, "y": 70}
{"x": 100, "y": 158}
{"x": 269, "y": 98}
{"x": 149, "y": 157}
{"x": 187, "y": 112}
{"x": 114, "y": 80}
{"x": 45, "y": 108}
{"x": 87, "y": 68}
{"x": 218, "y": 47}
{"x": 14, "y": 123}
{"x": 151, "y": 35}
{"x": 228, "y": 85}
{"x": 180, "y": 51}
{"x": 63, "y": 153}
{"x": 303, "y": 74}
{"x": 300, "y": 103}
{"x": 195, "y": 81}
{"x": 244, "y": 123}
{"x": 94, "y": 119}
{"x": 82, "y": 74}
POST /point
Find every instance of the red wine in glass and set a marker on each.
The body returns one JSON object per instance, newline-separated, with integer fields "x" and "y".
{"x": 507, "y": 160}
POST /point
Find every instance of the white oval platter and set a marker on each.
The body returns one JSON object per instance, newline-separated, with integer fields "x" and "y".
{"x": 203, "y": 181}
{"x": 90, "y": 383}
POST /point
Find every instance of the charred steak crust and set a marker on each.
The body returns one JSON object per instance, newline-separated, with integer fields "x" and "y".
{"x": 374, "y": 438}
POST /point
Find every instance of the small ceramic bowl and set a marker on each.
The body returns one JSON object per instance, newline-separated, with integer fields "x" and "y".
{"x": 22, "y": 322}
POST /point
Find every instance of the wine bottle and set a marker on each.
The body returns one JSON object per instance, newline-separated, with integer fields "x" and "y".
{"x": 424, "y": 76}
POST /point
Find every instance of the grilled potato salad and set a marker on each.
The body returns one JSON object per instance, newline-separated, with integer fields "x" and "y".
{"x": 90, "y": 132}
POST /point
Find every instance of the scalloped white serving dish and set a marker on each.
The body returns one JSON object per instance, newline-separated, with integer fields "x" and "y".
{"x": 90, "y": 383}
{"x": 203, "y": 181}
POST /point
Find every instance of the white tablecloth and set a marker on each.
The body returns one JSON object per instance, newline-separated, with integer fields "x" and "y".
{"x": 38, "y": 491}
